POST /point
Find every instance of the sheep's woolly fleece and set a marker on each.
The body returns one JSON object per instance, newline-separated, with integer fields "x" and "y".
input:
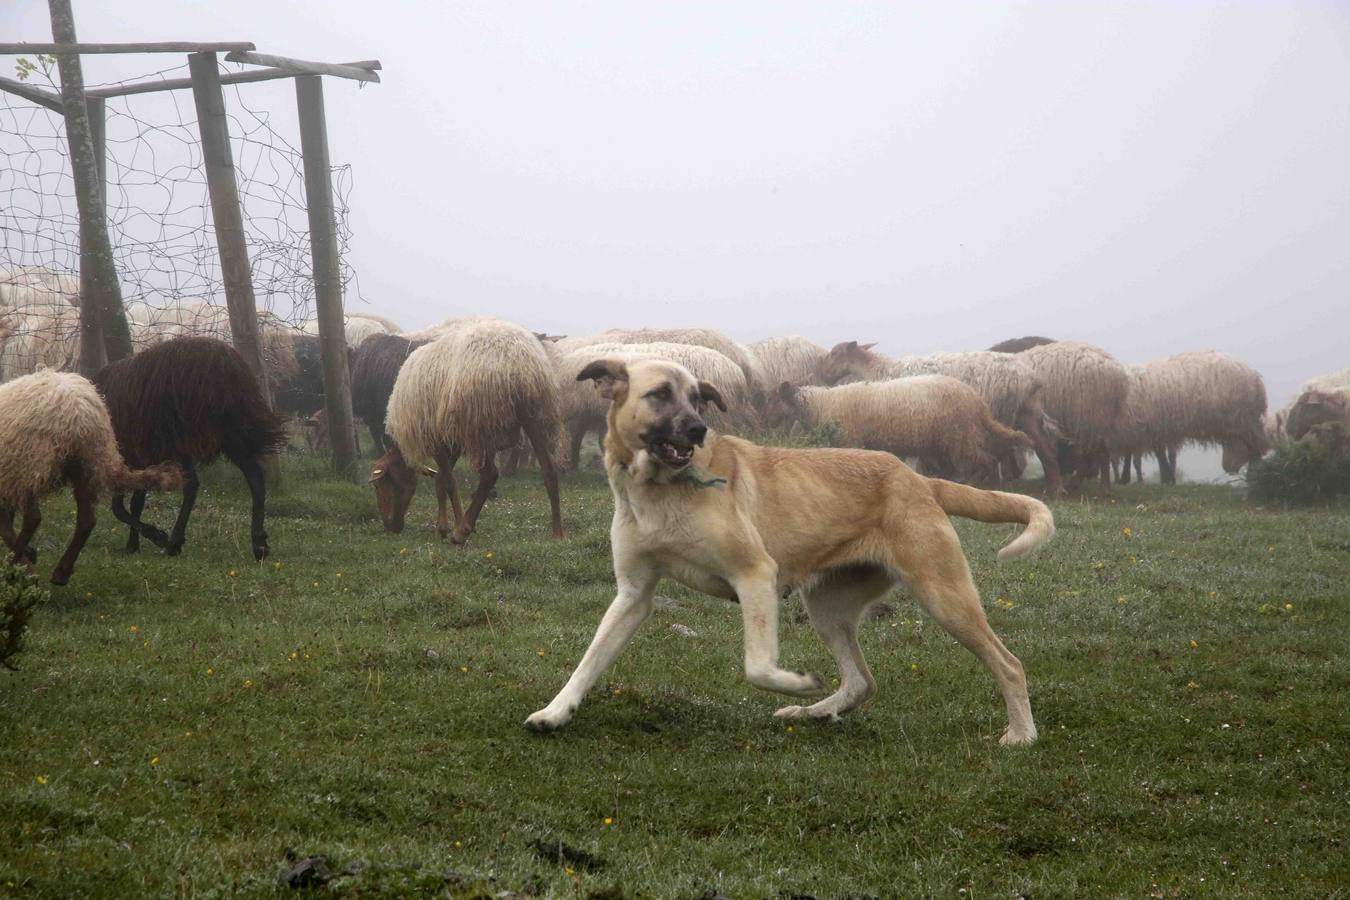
{"x": 471, "y": 389}
{"x": 47, "y": 420}
{"x": 1085, "y": 389}
{"x": 699, "y": 337}
{"x": 933, "y": 417}
{"x": 582, "y": 403}
{"x": 42, "y": 335}
{"x": 792, "y": 359}
{"x": 1203, "y": 396}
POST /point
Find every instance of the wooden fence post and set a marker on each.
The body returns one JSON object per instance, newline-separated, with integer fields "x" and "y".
{"x": 327, "y": 277}
{"x": 100, "y": 292}
{"x": 228, "y": 218}
{"x": 93, "y": 349}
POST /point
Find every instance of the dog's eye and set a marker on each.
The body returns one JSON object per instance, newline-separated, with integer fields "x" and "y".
{"x": 661, "y": 393}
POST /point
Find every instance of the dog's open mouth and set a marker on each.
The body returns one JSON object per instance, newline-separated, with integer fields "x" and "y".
{"x": 670, "y": 454}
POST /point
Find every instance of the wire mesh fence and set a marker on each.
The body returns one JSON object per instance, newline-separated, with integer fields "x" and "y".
{"x": 159, "y": 221}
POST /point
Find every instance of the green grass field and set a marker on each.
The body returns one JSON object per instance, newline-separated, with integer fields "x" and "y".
{"x": 178, "y": 724}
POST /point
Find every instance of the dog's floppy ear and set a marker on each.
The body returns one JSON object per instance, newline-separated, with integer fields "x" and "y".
{"x": 709, "y": 394}
{"x": 607, "y": 374}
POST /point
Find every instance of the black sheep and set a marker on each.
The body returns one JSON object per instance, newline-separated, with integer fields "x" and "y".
{"x": 189, "y": 400}
{"x": 375, "y": 364}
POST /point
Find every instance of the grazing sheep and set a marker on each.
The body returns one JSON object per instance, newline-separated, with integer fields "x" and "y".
{"x": 189, "y": 400}
{"x": 1017, "y": 345}
{"x": 585, "y": 410}
{"x": 54, "y": 429}
{"x": 472, "y": 391}
{"x": 41, "y": 335}
{"x": 1005, "y": 381}
{"x": 358, "y": 327}
{"x": 37, "y": 286}
{"x": 294, "y": 366}
{"x": 375, "y": 366}
{"x": 1318, "y": 407}
{"x": 940, "y": 420}
{"x": 791, "y": 358}
{"x": 741, "y": 355}
{"x": 1084, "y": 393}
{"x": 1204, "y": 396}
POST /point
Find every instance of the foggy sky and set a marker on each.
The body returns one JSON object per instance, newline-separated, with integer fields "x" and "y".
{"x": 1148, "y": 176}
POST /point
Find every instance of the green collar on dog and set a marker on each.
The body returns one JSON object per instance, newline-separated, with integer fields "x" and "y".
{"x": 695, "y": 476}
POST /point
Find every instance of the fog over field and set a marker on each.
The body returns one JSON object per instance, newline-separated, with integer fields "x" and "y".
{"x": 1147, "y": 177}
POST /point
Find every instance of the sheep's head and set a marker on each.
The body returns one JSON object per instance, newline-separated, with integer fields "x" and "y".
{"x": 783, "y": 407}
{"x": 846, "y": 361}
{"x": 395, "y": 484}
{"x": 655, "y": 409}
{"x": 1315, "y": 408}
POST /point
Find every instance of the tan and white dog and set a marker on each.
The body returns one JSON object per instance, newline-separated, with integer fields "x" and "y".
{"x": 744, "y": 522}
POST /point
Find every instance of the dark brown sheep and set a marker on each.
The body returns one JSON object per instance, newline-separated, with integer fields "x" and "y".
{"x": 189, "y": 400}
{"x": 375, "y": 365}
{"x": 1017, "y": 345}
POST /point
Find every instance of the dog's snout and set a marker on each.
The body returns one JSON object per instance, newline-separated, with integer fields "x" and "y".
{"x": 697, "y": 431}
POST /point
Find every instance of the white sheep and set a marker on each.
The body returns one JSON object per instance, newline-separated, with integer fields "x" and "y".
{"x": 1205, "y": 397}
{"x": 938, "y": 419}
{"x": 471, "y": 391}
{"x": 585, "y": 410}
{"x": 790, "y": 358}
{"x": 1006, "y": 382}
{"x": 1084, "y": 393}
{"x": 41, "y": 335}
{"x": 54, "y": 429}
{"x": 37, "y": 286}
{"x": 738, "y": 353}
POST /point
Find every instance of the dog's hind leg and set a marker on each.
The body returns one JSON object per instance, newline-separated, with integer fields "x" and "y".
{"x": 630, "y": 608}
{"x": 835, "y": 606}
{"x": 940, "y": 579}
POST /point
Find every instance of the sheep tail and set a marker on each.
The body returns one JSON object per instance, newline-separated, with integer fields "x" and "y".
{"x": 163, "y": 477}
{"x": 998, "y": 506}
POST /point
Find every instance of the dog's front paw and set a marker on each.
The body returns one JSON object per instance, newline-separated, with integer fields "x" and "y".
{"x": 547, "y": 719}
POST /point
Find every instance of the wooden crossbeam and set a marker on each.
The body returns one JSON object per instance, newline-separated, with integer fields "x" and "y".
{"x": 175, "y": 84}
{"x": 32, "y": 92}
{"x": 307, "y": 67}
{"x": 153, "y": 47}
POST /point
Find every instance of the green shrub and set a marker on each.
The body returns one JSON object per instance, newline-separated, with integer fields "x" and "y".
{"x": 20, "y": 593}
{"x": 1313, "y": 470}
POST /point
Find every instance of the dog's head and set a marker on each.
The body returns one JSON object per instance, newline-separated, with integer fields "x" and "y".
{"x": 655, "y": 406}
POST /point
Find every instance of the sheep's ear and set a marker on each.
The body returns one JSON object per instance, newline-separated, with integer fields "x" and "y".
{"x": 375, "y": 475}
{"x": 865, "y": 346}
{"x": 709, "y": 394}
{"x": 607, "y": 374}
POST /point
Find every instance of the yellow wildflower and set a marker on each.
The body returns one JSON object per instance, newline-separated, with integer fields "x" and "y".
{"x": 154, "y": 760}
{"x": 403, "y": 552}
{"x": 248, "y": 682}
{"x": 133, "y": 629}
{"x": 1127, "y": 531}
{"x": 609, "y": 821}
{"x": 210, "y": 671}
{"x": 540, "y": 652}
{"x": 42, "y": 779}
{"x": 487, "y": 555}
{"x": 232, "y": 573}
{"x": 464, "y": 668}
{"x": 1120, "y": 600}
{"x": 1194, "y": 645}
{"x": 1289, "y": 606}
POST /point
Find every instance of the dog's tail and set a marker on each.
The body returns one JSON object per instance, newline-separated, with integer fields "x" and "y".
{"x": 998, "y": 506}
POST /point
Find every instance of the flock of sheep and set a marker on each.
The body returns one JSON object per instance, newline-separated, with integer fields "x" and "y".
{"x": 478, "y": 387}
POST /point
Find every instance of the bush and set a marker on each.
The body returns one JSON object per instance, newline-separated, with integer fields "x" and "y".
{"x": 1314, "y": 470}
{"x": 20, "y": 593}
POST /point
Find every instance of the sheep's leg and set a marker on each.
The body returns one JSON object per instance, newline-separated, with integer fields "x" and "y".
{"x": 32, "y": 518}
{"x": 512, "y": 465}
{"x": 376, "y": 435}
{"x": 7, "y": 526}
{"x": 85, "y": 519}
{"x": 1139, "y": 467}
{"x": 487, "y": 477}
{"x": 446, "y": 487}
{"x": 1172, "y": 463}
{"x": 1124, "y": 473}
{"x": 1102, "y": 458}
{"x": 1164, "y": 471}
{"x": 544, "y": 454}
{"x": 257, "y": 486}
{"x": 576, "y": 433}
{"x": 1032, "y": 426}
{"x": 133, "y": 521}
{"x": 179, "y": 535}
